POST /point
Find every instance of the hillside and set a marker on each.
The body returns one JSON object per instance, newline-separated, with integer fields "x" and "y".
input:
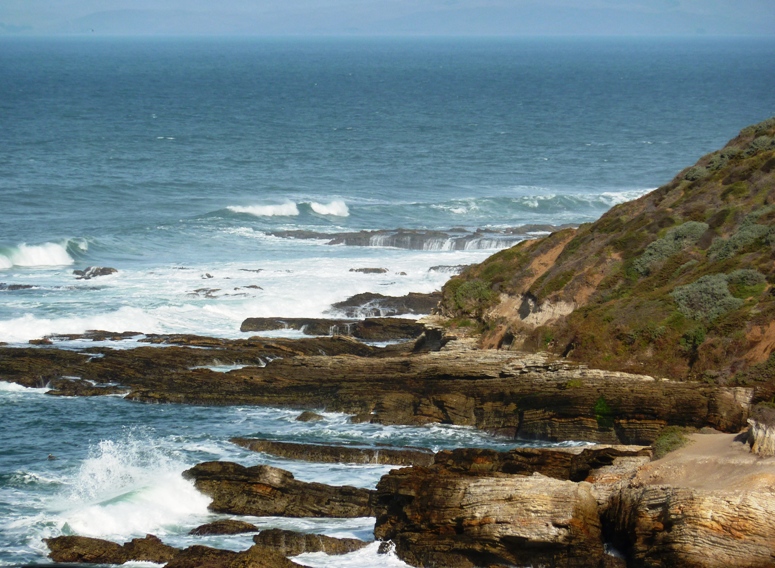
{"x": 678, "y": 283}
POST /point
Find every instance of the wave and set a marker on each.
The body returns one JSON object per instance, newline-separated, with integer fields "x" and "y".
{"x": 33, "y": 256}
{"x": 337, "y": 208}
{"x": 129, "y": 487}
{"x": 288, "y": 209}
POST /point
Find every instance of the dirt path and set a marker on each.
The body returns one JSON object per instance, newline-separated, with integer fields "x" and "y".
{"x": 712, "y": 462}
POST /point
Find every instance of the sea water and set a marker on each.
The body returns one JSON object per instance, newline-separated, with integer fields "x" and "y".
{"x": 181, "y": 162}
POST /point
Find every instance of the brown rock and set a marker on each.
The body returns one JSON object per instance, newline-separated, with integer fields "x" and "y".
{"x": 149, "y": 549}
{"x": 261, "y": 557}
{"x": 85, "y": 549}
{"x": 369, "y": 304}
{"x": 227, "y": 526}
{"x": 198, "y": 556}
{"x": 291, "y": 543}
{"x": 454, "y": 520}
{"x": 309, "y": 416}
{"x": 268, "y": 491}
{"x": 337, "y": 454}
{"x": 371, "y": 329}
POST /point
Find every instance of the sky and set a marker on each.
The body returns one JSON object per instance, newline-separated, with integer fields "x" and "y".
{"x": 388, "y": 17}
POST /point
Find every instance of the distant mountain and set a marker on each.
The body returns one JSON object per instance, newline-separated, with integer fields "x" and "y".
{"x": 678, "y": 283}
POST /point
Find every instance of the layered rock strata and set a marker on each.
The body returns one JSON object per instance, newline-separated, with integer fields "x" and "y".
{"x": 291, "y": 543}
{"x": 263, "y": 490}
{"x": 337, "y": 454}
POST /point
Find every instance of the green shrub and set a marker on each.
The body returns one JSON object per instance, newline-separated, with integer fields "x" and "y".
{"x": 674, "y": 241}
{"x": 603, "y": 414}
{"x": 760, "y": 143}
{"x": 705, "y": 299}
{"x": 670, "y": 439}
{"x": 747, "y": 234}
{"x": 695, "y": 173}
{"x": 473, "y": 296}
{"x": 746, "y": 282}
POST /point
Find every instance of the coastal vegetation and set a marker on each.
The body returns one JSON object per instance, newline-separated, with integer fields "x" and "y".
{"x": 676, "y": 284}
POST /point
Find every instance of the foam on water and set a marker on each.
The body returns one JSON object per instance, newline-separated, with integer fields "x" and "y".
{"x": 287, "y": 209}
{"x": 337, "y": 208}
{"x": 33, "y": 256}
{"x": 128, "y": 487}
{"x": 367, "y": 556}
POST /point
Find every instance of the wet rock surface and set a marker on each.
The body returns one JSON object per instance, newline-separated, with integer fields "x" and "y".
{"x": 371, "y": 329}
{"x": 82, "y": 549}
{"x": 226, "y": 526}
{"x": 291, "y": 543}
{"x": 269, "y": 491}
{"x": 526, "y": 396}
{"x": 93, "y": 272}
{"x": 336, "y": 453}
{"x": 370, "y": 304}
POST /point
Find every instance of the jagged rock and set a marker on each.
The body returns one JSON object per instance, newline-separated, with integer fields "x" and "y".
{"x": 291, "y": 543}
{"x": 677, "y": 526}
{"x": 227, "y": 526}
{"x": 83, "y": 549}
{"x": 371, "y": 329}
{"x": 199, "y": 556}
{"x": 263, "y": 490}
{"x": 370, "y": 270}
{"x": 370, "y": 304}
{"x": 78, "y": 387}
{"x": 93, "y": 272}
{"x": 309, "y": 416}
{"x": 761, "y": 435}
{"x": 709, "y": 504}
{"x": 440, "y": 518}
{"x": 149, "y": 549}
{"x": 337, "y": 454}
{"x": 14, "y": 287}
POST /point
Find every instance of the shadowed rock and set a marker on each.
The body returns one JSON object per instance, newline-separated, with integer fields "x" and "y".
{"x": 309, "y": 416}
{"x": 372, "y": 329}
{"x": 370, "y": 304}
{"x": 337, "y": 454}
{"x": 291, "y": 543}
{"x": 263, "y": 490}
{"x": 93, "y": 272}
{"x": 83, "y": 549}
{"x": 227, "y": 526}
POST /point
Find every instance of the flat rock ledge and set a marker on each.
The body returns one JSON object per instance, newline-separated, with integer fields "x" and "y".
{"x": 224, "y": 527}
{"x": 337, "y": 454}
{"x": 292, "y": 543}
{"x": 370, "y": 329}
{"x": 263, "y": 490}
{"x": 81, "y": 549}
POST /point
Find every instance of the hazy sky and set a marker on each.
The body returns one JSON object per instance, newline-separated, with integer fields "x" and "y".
{"x": 391, "y": 17}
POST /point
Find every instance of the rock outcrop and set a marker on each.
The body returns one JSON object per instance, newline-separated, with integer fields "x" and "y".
{"x": 761, "y": 435}
{"x": 291, "y": 543}
{"x": 370, "y": 304}
{"x": 93, "y": 272}
{"x": 226, "y": 526}
{"x": 263, "y": 490}
{"x": 337, "y": 454}
{"x": 83, "y": 549}
{"x": 710, "y": 504}
{"x": 371, "y": 329}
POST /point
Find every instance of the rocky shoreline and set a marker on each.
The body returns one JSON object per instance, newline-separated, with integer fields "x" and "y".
{"x": 462, "y": 508}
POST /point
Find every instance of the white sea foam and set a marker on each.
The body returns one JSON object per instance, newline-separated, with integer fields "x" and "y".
{"x": 128, "y": 487}
{"x": 337, "y": 208}
{"x": 31, "y": 256}
{"x": 616, "y": 197}
{"x": 287, "y": 209}
{"x": 367, "y": 556}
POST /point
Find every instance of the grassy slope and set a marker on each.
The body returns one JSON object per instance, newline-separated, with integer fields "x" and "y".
{"x": 678, "y": 283}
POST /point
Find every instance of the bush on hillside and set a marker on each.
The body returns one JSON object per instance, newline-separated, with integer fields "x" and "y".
{"x": 706, "y": 298}
{"x": 674, "y": 241}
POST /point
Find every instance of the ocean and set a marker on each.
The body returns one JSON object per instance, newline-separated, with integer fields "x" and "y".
{"x": 212, "y": 174}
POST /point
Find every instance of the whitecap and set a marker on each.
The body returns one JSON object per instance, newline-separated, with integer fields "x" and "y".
{"x": 129, "y": 487}
{"x": 337, "y": 208}
{"x": 287, "y": 209}
{"x": 32, "y": 256}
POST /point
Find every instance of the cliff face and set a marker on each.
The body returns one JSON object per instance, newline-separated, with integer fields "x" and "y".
{"x": 678, "y": 283}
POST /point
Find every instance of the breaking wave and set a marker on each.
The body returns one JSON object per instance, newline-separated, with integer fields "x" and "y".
{"x": 288, "y": 209}
{"x": 47, "y": 254}
{"x": 336, "y": 208}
